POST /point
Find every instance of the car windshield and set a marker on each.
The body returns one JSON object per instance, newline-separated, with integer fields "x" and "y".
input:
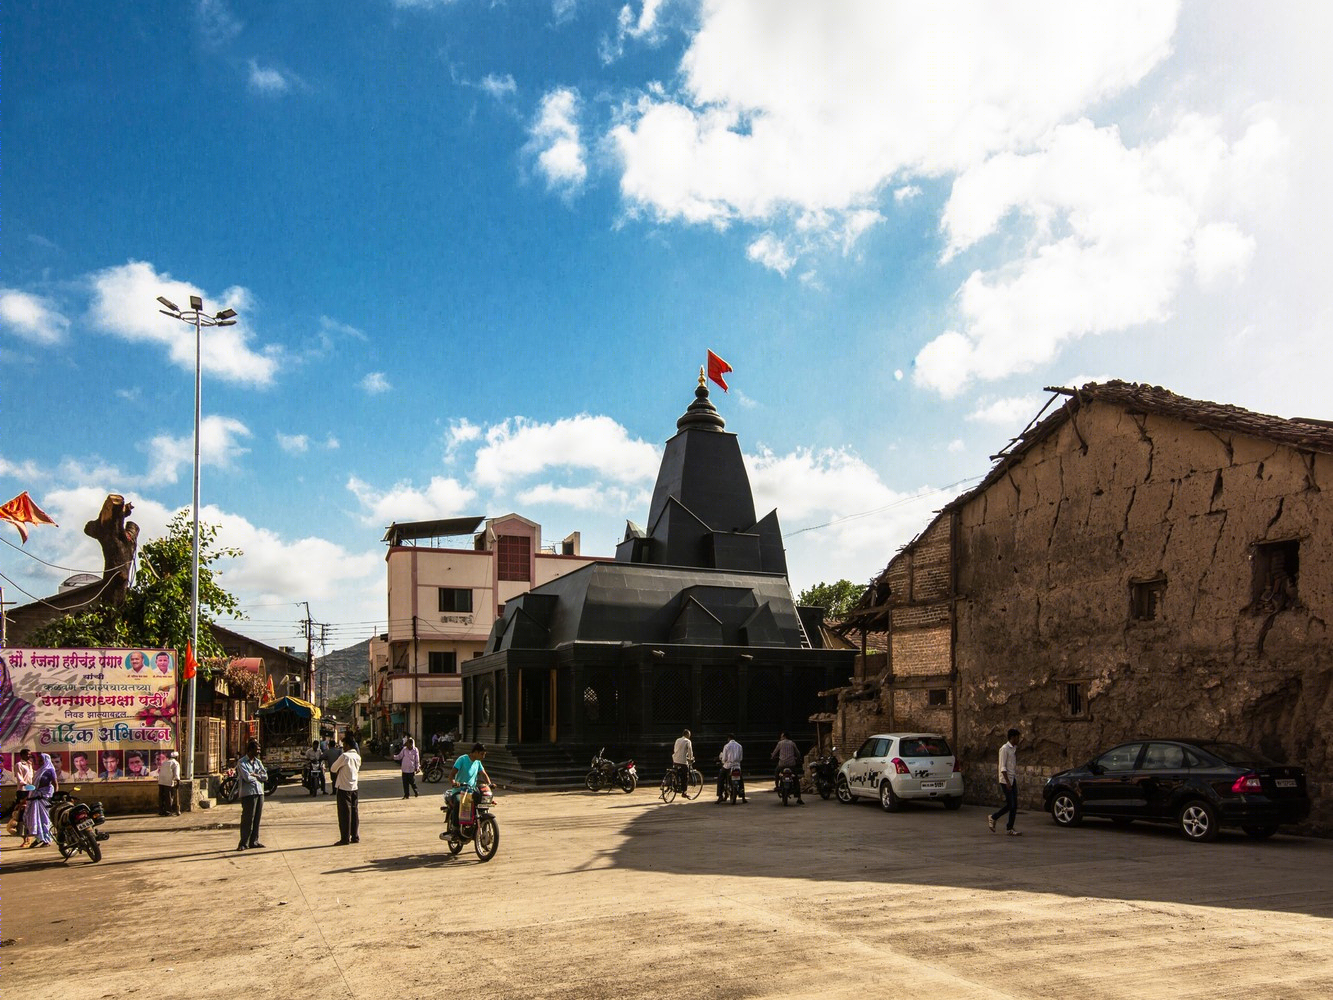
{"x": 1231, "y": 753}
{"x": 924, "y": 746}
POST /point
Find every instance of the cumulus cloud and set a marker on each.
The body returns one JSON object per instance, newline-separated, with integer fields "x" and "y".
{"x": 267, "y": 80}
{"x": 293, "y": 444}
{"x": 518, "y": 448}
{"x": 555, "y": 143}
{"x": 641, "y": 27}
{"x": 32, "y": 317}
{"x": 499, "y": 87}
{"x": 216, "y": 23}
{"x": 1113, "y": 231}
{"x": 219, "y": 445}
{"x": 595, "y": 497}
{"x": 906, "y": 193}
{"x": 124, "y": 303}
{"x": 771, "y": 252}
{"x": 442, "y": 497}
{"x": 460, "y": 432}
{"x": 1009, "y": 411}
{"x": 956, "y": 445}
{"x": 374, "y": 383}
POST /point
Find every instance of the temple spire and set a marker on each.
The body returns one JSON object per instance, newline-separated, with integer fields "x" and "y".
{"x": 701, "y": 414}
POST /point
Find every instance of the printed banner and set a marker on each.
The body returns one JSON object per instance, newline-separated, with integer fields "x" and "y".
{"x": 102, "y": 714}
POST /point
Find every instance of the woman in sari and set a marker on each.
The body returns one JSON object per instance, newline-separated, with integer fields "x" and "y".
{"x": 38, "y": 815}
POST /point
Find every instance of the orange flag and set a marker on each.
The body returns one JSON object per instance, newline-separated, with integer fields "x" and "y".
{"x": 21, "y": 510}
{"x": 716, "y": 369}
{"x": 271, "y": 695}
{"x": 191, "y": 665}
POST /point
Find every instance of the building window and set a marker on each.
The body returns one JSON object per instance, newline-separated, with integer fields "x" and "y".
{"x": 1277, "y": 568}
{"x": 455, "y": 600}
{"x": 1145, "y": 599}
{"x": 514, "y": 553}
{"x": 1076, "y": 700}
{"x": 937, "y": 697}
{"x": 590, "y": 704}
{"x": 443, "y": 663}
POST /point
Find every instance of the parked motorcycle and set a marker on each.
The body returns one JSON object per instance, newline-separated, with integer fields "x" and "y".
{"x": 435, "y": 768}
{"x": 789, "y": 785}
{"x": 606, "y": 773}
{"x": 229, "y": 788}
{"x": 74, "y": 824}
{"x": 475, "y": 824}
{"x": 824, "y": 772}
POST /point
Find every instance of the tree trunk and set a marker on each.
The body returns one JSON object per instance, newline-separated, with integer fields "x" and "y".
{"x": 119, "y": 540}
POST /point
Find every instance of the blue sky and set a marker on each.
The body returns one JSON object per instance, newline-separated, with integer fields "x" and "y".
{"x": 479, "y": 251}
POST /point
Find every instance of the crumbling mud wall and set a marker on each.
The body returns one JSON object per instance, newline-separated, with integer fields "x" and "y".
{"x": 1135, "y": 575}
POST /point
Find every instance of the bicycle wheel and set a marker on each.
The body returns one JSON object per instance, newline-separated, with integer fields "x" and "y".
{"x": 668, "y": 791}
{"x": 696, "y": 786}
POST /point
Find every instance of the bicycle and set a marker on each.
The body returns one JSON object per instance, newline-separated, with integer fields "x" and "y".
{"x": 671, "y": 785}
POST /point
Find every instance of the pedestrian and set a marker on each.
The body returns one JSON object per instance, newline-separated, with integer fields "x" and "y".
{"x": 331, "y": 753}
{"x": 345, "y": 770}
{"x": 411, "y": 758}
{"x": 168, "y": 780}
{"x": 23, "y": 775}
{"x": 37, "y": 817}
{"x": 251, "y": 776}
{"x": 1008, "y": 778}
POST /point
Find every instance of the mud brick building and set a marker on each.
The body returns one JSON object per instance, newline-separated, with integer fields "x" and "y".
{"x": 1136, "y": 563}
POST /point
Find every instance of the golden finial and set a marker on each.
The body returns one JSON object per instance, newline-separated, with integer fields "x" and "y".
{"x": 702, "y": 383}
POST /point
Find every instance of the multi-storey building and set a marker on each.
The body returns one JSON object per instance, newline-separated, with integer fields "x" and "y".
{"x": 448, "y": 581}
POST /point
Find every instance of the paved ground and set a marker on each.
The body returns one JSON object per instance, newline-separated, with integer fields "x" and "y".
{"x": 620, "y": 896}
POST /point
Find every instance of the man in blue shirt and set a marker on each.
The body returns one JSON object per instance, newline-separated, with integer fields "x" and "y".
{"x": 467, "y": 769}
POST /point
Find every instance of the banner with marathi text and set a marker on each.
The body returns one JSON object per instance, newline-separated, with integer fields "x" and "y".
{"x": 102, "y": 714}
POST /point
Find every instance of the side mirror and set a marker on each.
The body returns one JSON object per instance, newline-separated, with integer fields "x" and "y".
{"x": 856, "y": 754}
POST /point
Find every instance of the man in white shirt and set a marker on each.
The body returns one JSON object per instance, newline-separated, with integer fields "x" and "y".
{"x": 731, "y": 757}
{"x": 682, "y": 756}
{"x": 168, "y": 780}
{"x": 1008, "y": 778}
{"x": 345, "y": 771}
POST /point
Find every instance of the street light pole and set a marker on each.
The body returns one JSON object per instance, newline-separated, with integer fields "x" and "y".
{"x": 195, "y": 315}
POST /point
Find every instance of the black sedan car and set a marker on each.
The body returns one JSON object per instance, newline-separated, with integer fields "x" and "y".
{"x": 1200, "y": 785}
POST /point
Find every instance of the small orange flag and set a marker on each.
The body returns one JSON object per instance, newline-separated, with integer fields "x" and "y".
{"x": 271, "y": 695}
{"x": 716, "y": 369}
{"x": 20, "y": 511}
{"x": 191, "y": 666}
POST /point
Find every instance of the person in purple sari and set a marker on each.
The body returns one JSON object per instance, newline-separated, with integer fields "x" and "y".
{"x": 38, "y": 815}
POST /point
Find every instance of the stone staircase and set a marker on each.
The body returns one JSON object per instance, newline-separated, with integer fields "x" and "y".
{"x": 539, "y": 765}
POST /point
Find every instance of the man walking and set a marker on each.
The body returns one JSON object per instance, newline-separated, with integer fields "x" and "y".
{"x": 345, "y": 771}
{"x": 1008, "y": 778}
{"x": 168, "y": 780}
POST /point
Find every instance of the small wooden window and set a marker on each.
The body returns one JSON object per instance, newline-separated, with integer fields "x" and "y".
{"x": 455, "y": 600}
{"x": 1277, "y": 568}
{"x": 1075, "y": 699}
{"x": 1145, "y": 599}
{"x": 937, "y": 697}
{"x": 442, "y": 662}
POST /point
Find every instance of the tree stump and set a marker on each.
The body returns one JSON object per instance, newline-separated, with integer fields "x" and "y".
{"x": 119, "y": 540}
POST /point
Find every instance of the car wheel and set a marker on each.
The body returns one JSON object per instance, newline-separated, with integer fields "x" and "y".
{"x": 1260, "y": 832}
{"x": 1198, "y": 820}
{"x": 889, "y": 801}
{"x": 953, "y": 802}
{"x": 844, "y": 791}
{"x": 1065, "y": 809}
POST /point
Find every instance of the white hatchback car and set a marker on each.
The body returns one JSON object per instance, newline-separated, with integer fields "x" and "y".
{"x": 898, "y": 766}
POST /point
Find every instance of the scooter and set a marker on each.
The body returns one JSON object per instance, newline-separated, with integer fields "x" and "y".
{"x": 74, "y": 824}
{"x": 475, "y": 823}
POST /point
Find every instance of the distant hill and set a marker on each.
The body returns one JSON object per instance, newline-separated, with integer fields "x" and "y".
{"x": 346, "y": 669}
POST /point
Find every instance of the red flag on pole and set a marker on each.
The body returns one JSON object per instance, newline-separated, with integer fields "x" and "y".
{"x": 191, "y": 665}
{"x": 716, "y": 369}
{"x": 20, "y": 511}
{"x": 269, "y": 691}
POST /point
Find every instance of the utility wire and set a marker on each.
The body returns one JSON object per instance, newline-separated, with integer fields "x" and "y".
{"x": 895, "y": 503}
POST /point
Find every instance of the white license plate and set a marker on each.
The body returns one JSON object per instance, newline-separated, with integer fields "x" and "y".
{"x": 1285, "y": 782}
{"x": 87, "y": 824}
{"x": 633, "y": 769}
{"x": 932, "y": 784}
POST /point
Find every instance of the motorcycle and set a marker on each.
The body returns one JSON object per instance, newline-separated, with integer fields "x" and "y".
{"x": 312, "y": 776}
{"x": 824, "y": 772}
{"x": 229, "y": 788}
{"x": 435, "y": 768}
{"x": 475, "y": 823}
{"x": 732, "y": 784}
{"x": 607, "y": 774}
{"x": 789, "y": 786}
{"x": 74, "y": 824}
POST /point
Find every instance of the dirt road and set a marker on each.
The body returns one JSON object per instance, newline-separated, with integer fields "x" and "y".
{"x": 619, "y": 896}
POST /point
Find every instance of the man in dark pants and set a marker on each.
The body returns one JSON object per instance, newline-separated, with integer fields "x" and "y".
{"x": 251, "y": 776}
{"x": 1008, "y": 778}
{"x": 345, "y": 771}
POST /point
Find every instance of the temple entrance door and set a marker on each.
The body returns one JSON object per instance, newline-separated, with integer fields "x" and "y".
{"x": 536, "y": 706}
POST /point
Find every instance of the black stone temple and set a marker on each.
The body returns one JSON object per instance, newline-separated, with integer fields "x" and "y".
{"x": 692, "y": 625}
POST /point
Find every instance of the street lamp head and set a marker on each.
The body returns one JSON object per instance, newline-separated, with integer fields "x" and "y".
{"x": 196, "y": 302}
{"x": 168, "y": 303}
{"x": 225, "y": 322}
{"x": 226, "y": 314}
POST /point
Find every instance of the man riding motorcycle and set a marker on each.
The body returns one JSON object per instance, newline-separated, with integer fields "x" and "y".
{"x": 787, "y": 756}
{"x": 467, "y": 770}
{"x": 730, "y": 757}
{"x": 315, "y": 758}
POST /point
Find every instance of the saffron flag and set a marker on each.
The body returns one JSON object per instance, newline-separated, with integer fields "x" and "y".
{"x": 191, "y": 665}
{"x": 21, "y": 510}
{"x": 716, "y": 369}
{"x": 269, "y": 695}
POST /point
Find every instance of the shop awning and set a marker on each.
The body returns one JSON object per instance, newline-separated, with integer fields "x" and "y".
{"x": 289, "y": 704}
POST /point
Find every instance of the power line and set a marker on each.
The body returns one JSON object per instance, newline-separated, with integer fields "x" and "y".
{"x": 67, "y": 569}
{"x": 895, "y": 503}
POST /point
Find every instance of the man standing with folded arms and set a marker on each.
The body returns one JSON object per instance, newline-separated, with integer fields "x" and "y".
{"x": 1008, "y": 778}
{"x": 345, "y": 771}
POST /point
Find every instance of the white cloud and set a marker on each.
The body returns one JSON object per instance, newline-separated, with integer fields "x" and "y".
{"x": 332, "y": 443}
{"x": 956, "y": 445}
{"x": 499, "y": 87}
{"x": 563, "y": 10}
{"x": 555, "y": 141}
{"x": 518, "y": 448}
{"x": 267, "y": 80}
{"x": 219, "y": 445}
{"x": 771, "y": 252}
{"x": 293, "y": 444}
{"x": 906, "y": 193}
{"x": 595, "y": 497}
{"x": 375, "y": 383}
{"x": 124, "y": 302}
{"x": 1112, "y": 233}
{"x": 32, "y": 317}
{"x": 643, "y": 27}
{"x": 1008, "y": 411}
{"x": 216, "y": 23}
{"x": 27, "y": 471}
{"x": 461, "y": 431}
{"x": 442, "y": 497}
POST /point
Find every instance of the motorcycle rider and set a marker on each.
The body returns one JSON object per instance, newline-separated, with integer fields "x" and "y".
{"x": 314, "y": 757}
{"x": 332, "y": 751}
{"x": 682, "y": 756}
{"x": 731, "y": 757}
{"x": 787, "y": 755}
{"x": 467, "y": 769}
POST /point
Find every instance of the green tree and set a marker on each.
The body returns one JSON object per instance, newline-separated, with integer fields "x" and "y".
{"x": 340, "y": 706}
{"x": 156, "y": 610}
{"x": 835, "y": 598}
